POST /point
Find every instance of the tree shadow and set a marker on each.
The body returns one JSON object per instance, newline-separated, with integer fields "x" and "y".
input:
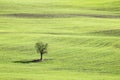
{"x": 31, "y": 61}
{"x": 28, "y": 61}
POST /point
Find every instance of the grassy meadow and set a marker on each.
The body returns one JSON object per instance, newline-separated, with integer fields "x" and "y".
{"x": 83, "y": 38}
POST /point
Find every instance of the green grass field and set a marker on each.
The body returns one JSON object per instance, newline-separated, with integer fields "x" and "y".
{"x": 83, "y": 38}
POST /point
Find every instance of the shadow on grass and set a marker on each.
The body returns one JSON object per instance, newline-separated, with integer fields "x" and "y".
{"x": 28, "y": 61}
{"x": 113, "y": 32}
{"x": 31, "y": 15}
{"x": 31, "y": 61}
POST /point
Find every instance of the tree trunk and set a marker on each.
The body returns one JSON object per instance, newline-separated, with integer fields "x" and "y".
{"x": 41, "y": 57}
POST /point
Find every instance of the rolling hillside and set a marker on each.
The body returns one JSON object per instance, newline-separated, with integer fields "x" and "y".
{"x": 83, "y": 38}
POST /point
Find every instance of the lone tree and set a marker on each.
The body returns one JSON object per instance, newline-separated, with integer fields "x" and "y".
{"x": 41, "y": 49}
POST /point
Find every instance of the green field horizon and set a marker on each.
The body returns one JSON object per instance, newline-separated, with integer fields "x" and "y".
{"x": 83, "y": 38}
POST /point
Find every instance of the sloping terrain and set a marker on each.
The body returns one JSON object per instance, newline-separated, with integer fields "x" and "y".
{"x": 83, "y": 38}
